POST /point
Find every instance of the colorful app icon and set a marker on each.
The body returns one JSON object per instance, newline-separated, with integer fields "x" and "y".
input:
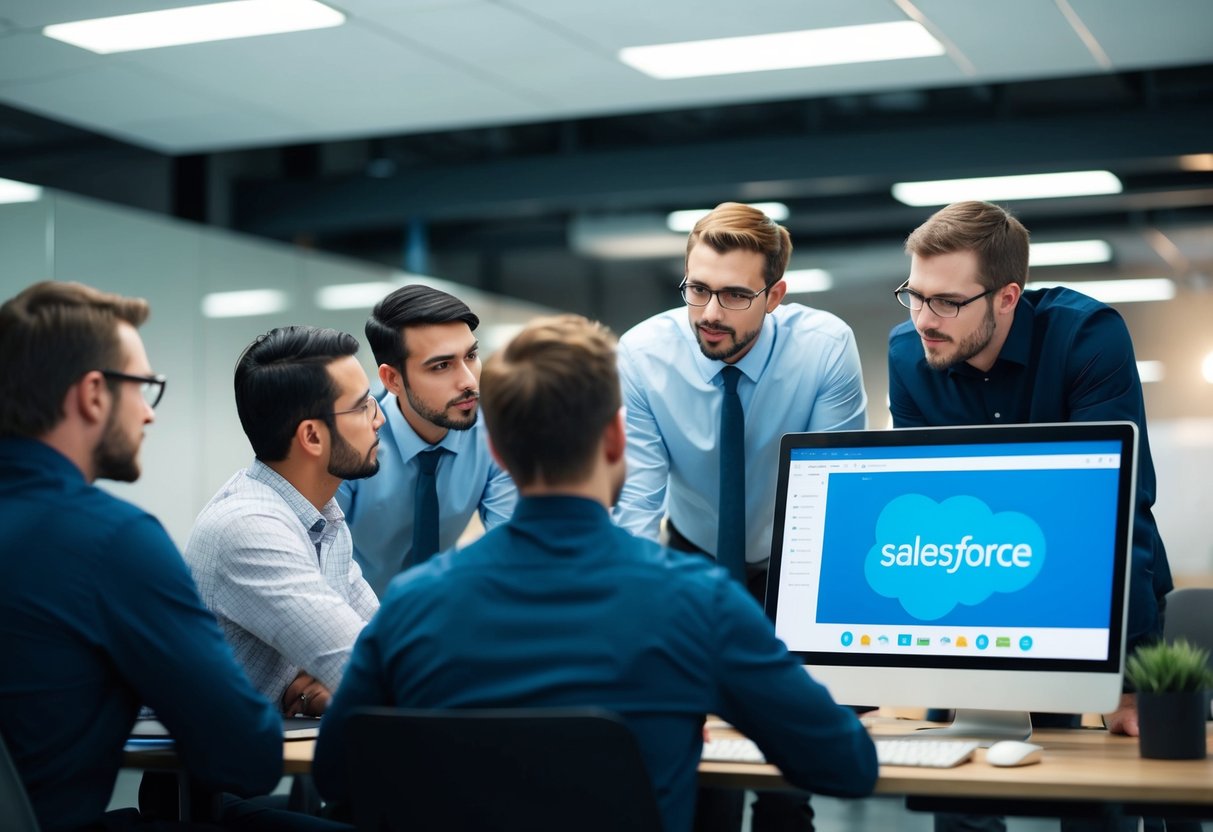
{"x": 945, "y": 640}
{"x": 904, "y": 640}
{"x": 1002, "y": 641}
{"x": 865, "y": 639}
{"x": 882, "y": 639}
{"x": 924, "y": 642}
{"x": 847, "y": 638}
{"x": 961, "y": 641}
{"x": 982, "y": 642}
{"x": 1025, "y": 643}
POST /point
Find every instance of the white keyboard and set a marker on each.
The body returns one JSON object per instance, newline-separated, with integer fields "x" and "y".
{"x": 735, "y": 750}
{"x": 926, "y": 753}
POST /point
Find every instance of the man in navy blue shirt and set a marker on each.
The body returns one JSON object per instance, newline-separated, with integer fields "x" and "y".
{"x": 560, "y": 607}
{"x": 98, "y": 613}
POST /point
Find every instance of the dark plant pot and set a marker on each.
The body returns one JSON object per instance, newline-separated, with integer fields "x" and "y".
{"x": 1172, "y": 725}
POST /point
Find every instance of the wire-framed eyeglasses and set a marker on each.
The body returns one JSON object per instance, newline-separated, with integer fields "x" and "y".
{"x": 696, "y": 294}
{"x": 943, "y": 307}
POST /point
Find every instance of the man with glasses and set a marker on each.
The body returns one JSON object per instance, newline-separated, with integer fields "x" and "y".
{"x": 271, "y": 552}
{"x": 437, "y": 470}
{"x": 980, "y": 349}
{"x": 708, "y": 393}
{"x": 97, "y": 610}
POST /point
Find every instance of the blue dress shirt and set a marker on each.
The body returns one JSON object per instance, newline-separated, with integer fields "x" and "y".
{"x": 98, "y": 615}
{"x": 801, "y": 374}
{"x": 1067, "y": 358}
{"x": 560, "y": 608}
{"x": 379, "y": 510}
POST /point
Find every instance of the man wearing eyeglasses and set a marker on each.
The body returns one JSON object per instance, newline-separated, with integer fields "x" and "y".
{"x": 980, "y": 349}
{"x": 271, "y": 552}
{"x": 708, "y": 392}
{"x": 98, "y": 613}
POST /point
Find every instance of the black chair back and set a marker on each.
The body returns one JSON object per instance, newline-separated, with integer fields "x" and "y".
{"x": 539, "y": 770}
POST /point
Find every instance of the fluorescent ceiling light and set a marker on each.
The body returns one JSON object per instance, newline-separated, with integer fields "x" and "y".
{"x": 13, "y": 191}
{"x": 244, "y": 303}
{"x": 1069, "y": 253}
{"x": 996, "y": 188}
{"x": 1116, "y": 291}
{"x": 1206, "y": 368}
{"x": 194, "y": 24}
{"x": 1151, "y": 371}
{"x": 684, "y": 221}
{"x": 354, "y": 295}
{"x": 802, "y": 281}
{"x": 783, "y": 50}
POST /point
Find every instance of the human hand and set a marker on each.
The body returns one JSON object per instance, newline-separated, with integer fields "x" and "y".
{"x": 1124, "y": 719}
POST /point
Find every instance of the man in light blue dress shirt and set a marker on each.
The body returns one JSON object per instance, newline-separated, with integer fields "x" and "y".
{"x": 799, "y": 372}
{"x": 429, "y": 363}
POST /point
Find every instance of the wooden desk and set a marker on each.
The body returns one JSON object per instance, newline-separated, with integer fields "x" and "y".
{"x": 1079, "y": 765}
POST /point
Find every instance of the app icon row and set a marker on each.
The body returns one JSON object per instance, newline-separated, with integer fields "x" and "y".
{"x": 981, "y": 642}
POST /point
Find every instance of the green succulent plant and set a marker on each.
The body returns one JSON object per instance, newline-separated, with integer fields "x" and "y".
{"x": 1169, "y": 668}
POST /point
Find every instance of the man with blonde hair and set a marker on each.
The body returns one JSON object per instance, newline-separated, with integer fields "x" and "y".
{"x": 558, "y": 607}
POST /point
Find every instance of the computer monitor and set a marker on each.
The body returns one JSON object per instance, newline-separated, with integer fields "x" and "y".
{"x": 972, "y": 568}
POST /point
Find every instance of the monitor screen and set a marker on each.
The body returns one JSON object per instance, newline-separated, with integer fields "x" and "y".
{"x": 975, "y": 567}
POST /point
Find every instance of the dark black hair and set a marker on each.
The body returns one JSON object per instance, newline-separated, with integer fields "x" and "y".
{"x": 282, "y": 378}
{"x": 413, "y": 305}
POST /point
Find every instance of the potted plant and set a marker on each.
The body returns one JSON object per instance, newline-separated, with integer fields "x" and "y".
{"x": 1172, "y": 681}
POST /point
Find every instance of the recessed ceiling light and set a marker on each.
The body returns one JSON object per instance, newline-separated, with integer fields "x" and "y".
{"x": 684, "y": 221}
{"x": 1133, "y": 290}
{"x": 783, "y": 50}
{"x": 244, "y": 303}
{"x": 1151, "y": 371}
{"x": 354, "y": 295}
{"x": 1069, "y": 253}
{"x": 194, "y": 24}
{"x": 13, "y": 191}
{"x": 995, "y": 188}
{"x": 803, "y": 281}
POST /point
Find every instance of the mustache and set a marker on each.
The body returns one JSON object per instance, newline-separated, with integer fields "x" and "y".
{"x": 472, "y": 395}
{"x": 718, "y": 328}
{"x": 934, "y": 334}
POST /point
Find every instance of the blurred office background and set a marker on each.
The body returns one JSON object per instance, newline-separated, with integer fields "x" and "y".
{"x": 525, "y": 153}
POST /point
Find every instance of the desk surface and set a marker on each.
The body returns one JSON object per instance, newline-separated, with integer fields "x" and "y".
{"x": 1080, "y": 764}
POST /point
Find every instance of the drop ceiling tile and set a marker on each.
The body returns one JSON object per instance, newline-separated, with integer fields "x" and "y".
{"x": 27, "y": 56}
{"x": 218, "y": 129}
{"x": 38, "y": 13}
{"x": 1158, "y": 33}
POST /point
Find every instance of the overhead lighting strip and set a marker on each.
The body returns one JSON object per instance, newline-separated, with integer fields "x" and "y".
{"x": 998, "y": 188}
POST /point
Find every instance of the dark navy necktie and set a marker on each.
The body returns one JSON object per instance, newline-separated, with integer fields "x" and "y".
{"x": 425, "y": 507}
{"x": 730, "y": 528}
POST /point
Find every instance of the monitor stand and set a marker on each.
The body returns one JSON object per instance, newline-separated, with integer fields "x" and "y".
{"x": 986, "y": 726}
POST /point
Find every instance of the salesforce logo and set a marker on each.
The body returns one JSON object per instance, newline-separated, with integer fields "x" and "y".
{"x": 932, "y": 556}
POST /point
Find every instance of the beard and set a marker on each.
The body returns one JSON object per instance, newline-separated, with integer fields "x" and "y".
{"x": 726, "y": 350}
{"x": 346, "y": 464}
{"x": 461, "y": 421}
{"x": 968, "y": 346}
{"x": 116, "y": 457}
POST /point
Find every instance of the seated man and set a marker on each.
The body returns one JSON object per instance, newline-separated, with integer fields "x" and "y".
{"x": 271, "y": 551}
{"x": 560, "y": 607}
{"x": 97, "y": 610}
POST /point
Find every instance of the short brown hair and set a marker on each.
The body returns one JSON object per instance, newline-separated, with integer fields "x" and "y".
{"x": 732, "y": 225}
{"x": 50, "y": 335}
{"x": 548, "y": 395}
{"x": 998, "y": 239}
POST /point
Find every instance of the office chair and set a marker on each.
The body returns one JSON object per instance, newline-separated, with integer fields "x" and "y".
{"x": 540, "y": 770}
{"x": 1190, "y": 616}
{"x": 15, "y": 810}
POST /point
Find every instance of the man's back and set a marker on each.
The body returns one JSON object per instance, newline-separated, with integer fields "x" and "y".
{"x": 98, "y": 615}
{"x": 557, "y": 608}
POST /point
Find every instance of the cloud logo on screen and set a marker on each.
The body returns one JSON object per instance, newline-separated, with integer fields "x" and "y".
{"x": 932, "y": 556}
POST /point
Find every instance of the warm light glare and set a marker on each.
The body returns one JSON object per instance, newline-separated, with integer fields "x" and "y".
{"x": 1069, "y": 253}
{"x": 783, "y": 50}
{"x": 684, "y": 221}
{"x": 244, "y": 303}
{"x": 1116, "y": 291}
{"x": 803, "y": 281}
{"x": 13, "y": 191}
{"x": 1151, "y": 371}
{"x": 194, "y": 24}
{"x": 1197, "y": 162}
{"x": 353, "y": 295}
{"x": 1206, "y": 368}
{"x": 997, "y": 188}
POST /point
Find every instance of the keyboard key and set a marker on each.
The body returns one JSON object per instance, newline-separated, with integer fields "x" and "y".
{"x": 925, "y": 753}
{"x": 732, "y": 750}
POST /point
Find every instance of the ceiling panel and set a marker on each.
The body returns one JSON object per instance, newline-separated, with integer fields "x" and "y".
{"x": 38, "y": 13}
{"x": 27, "y": 56}
{"x": 1157, "y": 33}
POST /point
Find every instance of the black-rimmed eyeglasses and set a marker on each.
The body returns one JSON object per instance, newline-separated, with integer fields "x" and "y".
{"x": 369, "y": 408}
{"x": 943, "y": 307}
{"x": 696, "y": 294}
{"x": 150, "y": 387}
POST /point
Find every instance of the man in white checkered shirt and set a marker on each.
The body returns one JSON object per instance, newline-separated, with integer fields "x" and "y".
{"x": 271, "y": 552}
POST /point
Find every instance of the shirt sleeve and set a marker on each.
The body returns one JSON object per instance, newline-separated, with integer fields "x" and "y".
{"x": 362, "y": 686}
{"x": 817, "y": 744}
{"x": 842, "y": 403}
{"x": 901, "y": 404}
{"x": 169, "y": 647}
{"x": 499, "y": 497}
{"x": 641, "y": 504}
{"x": 363, "y": 599}
{"x": 268, "y": 583}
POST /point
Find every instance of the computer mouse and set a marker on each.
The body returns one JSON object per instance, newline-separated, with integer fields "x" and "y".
{"x": 1013, "y": 753}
